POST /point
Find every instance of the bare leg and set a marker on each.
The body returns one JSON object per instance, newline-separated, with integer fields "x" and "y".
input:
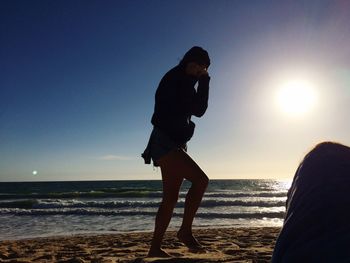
{"x": 171, "y": 187}
{"x": 199, "y": 180}
{"x": 176, "y": 166}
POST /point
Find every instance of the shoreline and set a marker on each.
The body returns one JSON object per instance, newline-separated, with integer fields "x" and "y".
{"x": 234, "y": 244}
{"x": 113, "y": 232}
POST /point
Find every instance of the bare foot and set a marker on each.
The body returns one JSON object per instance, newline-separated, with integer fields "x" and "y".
{"x": 189, "y": 240}
{"x": 157, "y": 253}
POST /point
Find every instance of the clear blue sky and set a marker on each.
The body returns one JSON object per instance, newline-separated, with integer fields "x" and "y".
{"x": 78, "y": 80}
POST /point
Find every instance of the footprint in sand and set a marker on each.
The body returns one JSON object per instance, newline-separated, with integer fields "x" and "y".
{"x": 47, "y": 257}
{"x": 4, "y": 255}
{"x": 232, "y": 251}
{"x": 101, "y": 251}
{"x": 72, "y": 260}
{"x": 177, "y": 244}
{"x": 229, "y": 246}
{"x": 126, "y": 251}
{"x": 131, "y": 244}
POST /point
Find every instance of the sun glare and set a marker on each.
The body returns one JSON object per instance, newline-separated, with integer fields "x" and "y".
{"x": 296, "y": 97}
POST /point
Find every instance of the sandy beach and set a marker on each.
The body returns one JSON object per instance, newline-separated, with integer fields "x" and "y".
{"x": 221, "y": 244}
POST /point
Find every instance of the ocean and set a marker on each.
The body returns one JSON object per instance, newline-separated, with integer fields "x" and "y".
{"x": 36, "y": 209}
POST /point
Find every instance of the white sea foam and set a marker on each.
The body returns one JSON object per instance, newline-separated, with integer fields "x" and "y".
{"x": 35, "y": 209}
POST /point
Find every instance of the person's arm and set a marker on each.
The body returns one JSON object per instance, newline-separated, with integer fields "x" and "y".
{"x": 200, "y": 103}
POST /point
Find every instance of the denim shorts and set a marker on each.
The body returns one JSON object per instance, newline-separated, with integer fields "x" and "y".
{"x": 161, "y": 144}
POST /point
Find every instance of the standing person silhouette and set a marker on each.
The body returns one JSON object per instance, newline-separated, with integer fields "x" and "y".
{"x": 176, "y": 100}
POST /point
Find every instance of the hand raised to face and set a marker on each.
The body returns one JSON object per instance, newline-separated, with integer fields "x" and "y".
{"x": 196, "y": 69}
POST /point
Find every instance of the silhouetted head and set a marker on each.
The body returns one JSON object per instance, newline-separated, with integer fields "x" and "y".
{"x": 195, "y": 61}
{"x": 197, "y": 55}
{"x": 327, "y": 159}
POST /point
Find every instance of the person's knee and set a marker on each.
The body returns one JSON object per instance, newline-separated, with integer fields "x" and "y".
{"x": 202, "y": 182}
{"x": 170, "y": 199}
{"x": 205, "y": 181}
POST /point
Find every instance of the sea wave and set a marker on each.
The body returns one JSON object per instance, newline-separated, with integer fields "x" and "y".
{"x": 92, "y": 212}
{"x": 248, "y": 194}
{"x": 90, "y": 194}
{"x": 132, "y": 193}
{"x": 61, "y": 203}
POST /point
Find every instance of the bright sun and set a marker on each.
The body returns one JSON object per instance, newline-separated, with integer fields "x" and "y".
{"x": 296, "y": 97}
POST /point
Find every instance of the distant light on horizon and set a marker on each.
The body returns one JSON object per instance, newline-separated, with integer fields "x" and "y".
{"x": 35, "y": 172}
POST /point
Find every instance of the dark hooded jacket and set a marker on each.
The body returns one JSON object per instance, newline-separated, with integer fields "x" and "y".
{"x": 176, "y": 100}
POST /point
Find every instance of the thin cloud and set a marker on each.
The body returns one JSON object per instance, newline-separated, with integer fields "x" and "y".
{"x": 112, "y": 157}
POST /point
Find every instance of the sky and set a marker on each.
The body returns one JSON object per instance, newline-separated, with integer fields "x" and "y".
{"x": 78, "y": 80}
